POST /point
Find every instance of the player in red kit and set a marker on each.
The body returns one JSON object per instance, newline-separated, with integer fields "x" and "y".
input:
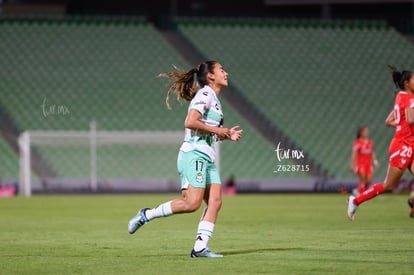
{"x": 362, "y": 159}
{"x": 401, "y": 147}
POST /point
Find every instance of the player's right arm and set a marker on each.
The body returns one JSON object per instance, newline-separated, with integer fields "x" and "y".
{"x": 353, "y": 159}
{"x": 390, "y": 121}
{"x": 375, "y": 160}
{"x": 193, "y": 121}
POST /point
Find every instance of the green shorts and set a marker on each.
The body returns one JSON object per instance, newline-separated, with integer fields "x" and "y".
{"x": 196, "y": 169}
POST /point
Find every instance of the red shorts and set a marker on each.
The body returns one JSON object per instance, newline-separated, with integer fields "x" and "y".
{"x": 401, "y": 154}
{"x": 363, "y": 169}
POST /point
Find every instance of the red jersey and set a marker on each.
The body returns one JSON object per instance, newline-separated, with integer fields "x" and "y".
{"x": 403, "y": 130}
{"x": 401, "y": 147}
{"x": 363, "y": 149}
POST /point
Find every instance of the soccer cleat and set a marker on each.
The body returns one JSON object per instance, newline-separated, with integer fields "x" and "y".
{"x": 351, "y": 208}
{"x": 411, "y": 204}
{"x": 139, "y": 220}
{"x": 206, "y": 253}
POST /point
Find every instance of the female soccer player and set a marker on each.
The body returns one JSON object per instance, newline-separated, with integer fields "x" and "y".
{"x": 196, "y": 167}
{"x": 401, "y": 147}
{"x": 362, "y": 159}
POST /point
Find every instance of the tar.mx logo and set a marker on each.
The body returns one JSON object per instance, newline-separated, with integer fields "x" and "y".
{"x": 49, "y": 109}
{"x": 284, "y": 155}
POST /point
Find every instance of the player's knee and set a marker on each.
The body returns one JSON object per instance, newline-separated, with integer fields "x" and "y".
{"x": 192, "y": 206}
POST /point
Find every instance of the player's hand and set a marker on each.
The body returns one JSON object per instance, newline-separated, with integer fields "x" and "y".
{"x": 223, "y": 133}
{"x": 235, "y": 133}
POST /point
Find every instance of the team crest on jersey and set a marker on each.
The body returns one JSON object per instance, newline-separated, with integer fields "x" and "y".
{"x": 403, "y": 161}
{"x": 199, "y": 177}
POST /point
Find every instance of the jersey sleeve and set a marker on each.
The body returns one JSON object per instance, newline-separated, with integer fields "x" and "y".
{"x": 201, "y": 102}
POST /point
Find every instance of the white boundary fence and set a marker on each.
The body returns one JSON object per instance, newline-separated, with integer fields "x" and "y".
{"x": 92, "y": 138}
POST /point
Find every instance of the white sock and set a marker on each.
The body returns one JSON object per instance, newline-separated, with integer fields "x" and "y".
{"x": 162, "y": 210}
{"x": 204, "y": 232}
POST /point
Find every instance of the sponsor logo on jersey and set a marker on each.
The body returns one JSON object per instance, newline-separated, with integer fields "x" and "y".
{"x": 199, "y": 177}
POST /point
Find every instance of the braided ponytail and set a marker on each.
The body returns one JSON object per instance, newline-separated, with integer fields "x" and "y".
{"x": 184, "y": 83}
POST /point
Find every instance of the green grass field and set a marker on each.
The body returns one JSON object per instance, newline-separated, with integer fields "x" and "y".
{"x": 277, "y": 234}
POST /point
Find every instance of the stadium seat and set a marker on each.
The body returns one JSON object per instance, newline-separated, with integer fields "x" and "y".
{"x": 106, "y": 69}
{"x": 316, "y": 81}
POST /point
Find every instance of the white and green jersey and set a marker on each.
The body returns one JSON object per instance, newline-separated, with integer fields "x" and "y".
{"x": 206, "y": 102}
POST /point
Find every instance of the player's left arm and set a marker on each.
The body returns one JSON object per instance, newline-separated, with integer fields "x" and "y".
{"x": 409, "y": 115}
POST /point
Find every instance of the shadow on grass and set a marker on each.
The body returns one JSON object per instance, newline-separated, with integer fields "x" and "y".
{"x": 259, "y": 250}
{"x": 234, "y": 252}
